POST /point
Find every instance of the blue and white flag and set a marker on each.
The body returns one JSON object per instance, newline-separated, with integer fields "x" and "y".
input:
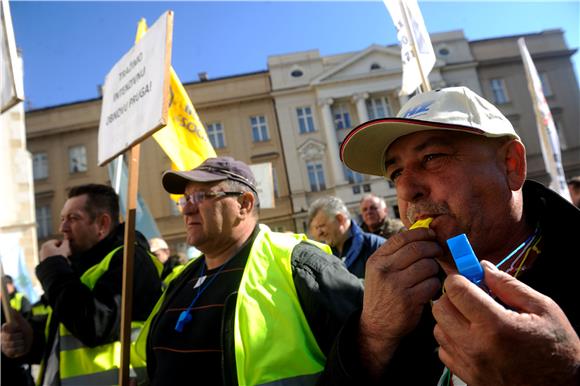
{"x": 12, "y": 258}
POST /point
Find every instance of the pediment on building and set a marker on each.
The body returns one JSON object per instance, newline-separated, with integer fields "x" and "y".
{"x": 311, "y": 150}
{"x": 375, "y": 59}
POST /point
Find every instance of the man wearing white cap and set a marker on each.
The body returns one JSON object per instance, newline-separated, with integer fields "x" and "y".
{"x": 159, "y": 248}
{"x": 454, "y": 158}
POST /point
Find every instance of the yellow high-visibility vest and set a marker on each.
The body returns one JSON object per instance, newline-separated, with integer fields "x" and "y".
{"x": 273, "y": 341}
{"x": 83, "y": 365}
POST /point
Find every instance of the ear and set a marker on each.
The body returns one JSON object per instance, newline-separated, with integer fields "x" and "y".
{"x": 341, "y": 219}
{"x": 514, "y": 155}
{"x": 105, "y": 222}
{"x": 247, "y": 201}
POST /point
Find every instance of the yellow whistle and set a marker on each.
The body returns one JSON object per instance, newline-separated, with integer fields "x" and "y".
{"x": 424, "y": 223}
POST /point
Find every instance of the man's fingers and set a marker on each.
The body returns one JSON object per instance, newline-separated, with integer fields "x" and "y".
{"x": 512, "y": 292}
{"x": 447, "y": 315}
{"x": 471, "y": 301}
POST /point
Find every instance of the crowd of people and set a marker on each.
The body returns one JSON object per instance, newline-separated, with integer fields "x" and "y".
{"x": 347, "y": 304}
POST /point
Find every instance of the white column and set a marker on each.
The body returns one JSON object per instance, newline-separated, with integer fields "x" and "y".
{"x": 331, "y": 141}
{"x": 361, "y": 107}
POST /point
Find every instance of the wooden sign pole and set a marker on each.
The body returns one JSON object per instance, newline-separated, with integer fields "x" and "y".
{"x": 5, "y": 298}
{"x": 128, "y": 264}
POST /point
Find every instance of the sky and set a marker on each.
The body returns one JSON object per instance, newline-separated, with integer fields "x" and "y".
{"x": 69, "y": 47}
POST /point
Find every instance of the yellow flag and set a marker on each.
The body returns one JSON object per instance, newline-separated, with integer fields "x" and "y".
{"x": 183, "y": 139}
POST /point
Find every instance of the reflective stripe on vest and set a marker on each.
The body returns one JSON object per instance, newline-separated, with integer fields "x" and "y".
{"x": 16, "y": 301}
{"x": 82, "y": 365}
{"x": 40, "y": 309}
{"x": 274, "y": 344}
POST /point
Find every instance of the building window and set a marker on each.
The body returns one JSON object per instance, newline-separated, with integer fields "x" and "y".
{"x": 546, "y": 87}
{"x": 378, "y": 108}
{"x": 352, "y": 176}
{"x": 40, "y": 166}
{"x": 443, "y": 50}
{"x": 275, "y": 182}
{"x": 499, "y": 91}
{"x": 305, "y": 121}
{"x": 77, "y": 159}
{"x": 215, "y": 133}
{"x": 260, "y": 132}
{"x": 43, "y": 222}
{"x": 341, "y": 117}
{"x": 316, "y": 176}
{"x": 375, "y": 66}
{"x": 296, "y": 73}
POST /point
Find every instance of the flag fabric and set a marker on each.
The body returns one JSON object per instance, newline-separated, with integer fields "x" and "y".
{"x": 184, "y": 139}
{"x": 548, "y": 135}
{"x": 411, "y": 30}
{"x": 12, "y": 259}
{"x": 144, "y": 221}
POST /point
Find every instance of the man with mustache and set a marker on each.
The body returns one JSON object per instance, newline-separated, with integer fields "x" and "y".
{"x": 455, "y": 158}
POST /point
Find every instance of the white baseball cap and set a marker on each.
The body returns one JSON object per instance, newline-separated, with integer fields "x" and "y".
{"x": 156, "y": 244}
{"x": 453, "y": 108}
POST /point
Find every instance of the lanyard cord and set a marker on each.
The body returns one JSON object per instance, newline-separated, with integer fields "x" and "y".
{"x": 525, "y": 243}
{"x": 185, "y": 316}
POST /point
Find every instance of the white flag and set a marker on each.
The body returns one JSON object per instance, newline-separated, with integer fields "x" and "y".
{"x": 411, "y": 28}
{"x": 546, "y": 129}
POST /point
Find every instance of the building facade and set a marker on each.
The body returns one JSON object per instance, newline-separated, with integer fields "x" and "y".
{"x": 296, "y": 114}
{"x": 240, "y": 119}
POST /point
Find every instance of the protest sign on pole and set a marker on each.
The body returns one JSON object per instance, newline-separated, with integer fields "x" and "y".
{"x": 417, "y": 55}
{"x": 135, "y": 92}
{"x": 12, "y": 90}
{"x": 549, "y": 141}
{"x": 135, "y": 100}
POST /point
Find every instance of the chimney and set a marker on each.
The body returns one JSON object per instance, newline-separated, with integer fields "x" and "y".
{"x": 202, "y": 76}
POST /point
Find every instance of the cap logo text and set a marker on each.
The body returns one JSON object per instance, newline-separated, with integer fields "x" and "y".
{"x": 418, "y": 110}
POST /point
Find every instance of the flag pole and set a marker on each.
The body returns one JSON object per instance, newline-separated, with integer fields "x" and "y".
{"x": 424, "y": 80}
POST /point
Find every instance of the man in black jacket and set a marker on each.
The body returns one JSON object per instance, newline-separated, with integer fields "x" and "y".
{"x": 258, "y": 307}
{"x": 454, "y": 158}
{"x": 82, "y": 279}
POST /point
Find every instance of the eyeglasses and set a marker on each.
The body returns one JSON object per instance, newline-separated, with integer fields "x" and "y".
{"x": 197, "y": 197}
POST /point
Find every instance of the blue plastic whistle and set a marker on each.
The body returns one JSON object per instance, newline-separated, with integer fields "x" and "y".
{"x": 467, "y": 263}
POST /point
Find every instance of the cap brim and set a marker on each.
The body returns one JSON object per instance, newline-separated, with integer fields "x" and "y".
{"x": 363, "y": 149}
{"x": 175, "y": 182}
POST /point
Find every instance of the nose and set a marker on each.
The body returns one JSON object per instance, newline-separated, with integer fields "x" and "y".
{"x": 63, "y": 227}
{"x": 411, "y": 187}
{"x": 190, "y": 208}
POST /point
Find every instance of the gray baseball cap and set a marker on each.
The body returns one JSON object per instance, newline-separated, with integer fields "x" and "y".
{"x": 211, "y": 170}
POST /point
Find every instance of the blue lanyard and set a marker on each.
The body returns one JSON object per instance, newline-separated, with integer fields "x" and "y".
{"x": 185, "y": 316}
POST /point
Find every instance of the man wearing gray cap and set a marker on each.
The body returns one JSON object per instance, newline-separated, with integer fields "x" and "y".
{"x": 258, "y": 307}
{"x": 456, "y": 161}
